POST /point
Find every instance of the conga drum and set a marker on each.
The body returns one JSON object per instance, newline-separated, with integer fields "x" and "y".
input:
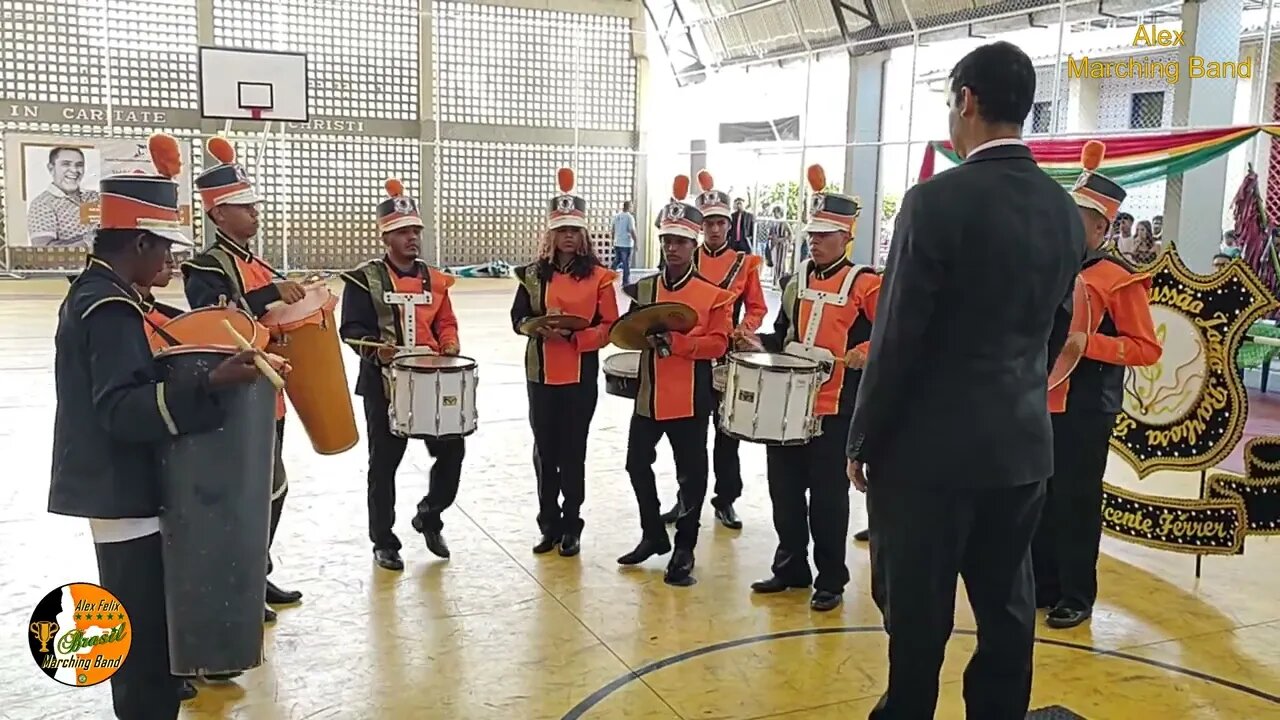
{"x": 215, "y": 498}
{"x": 306, "y": 334}
{"x": 204, "y": 327}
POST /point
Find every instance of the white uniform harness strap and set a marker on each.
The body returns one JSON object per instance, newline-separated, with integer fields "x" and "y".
{"x": 820, "y": 299}
{"x": 408, "y": 303}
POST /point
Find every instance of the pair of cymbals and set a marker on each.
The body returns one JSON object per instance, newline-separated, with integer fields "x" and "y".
{"x": 632, "y": 330}
{"x": 572, "y": 323}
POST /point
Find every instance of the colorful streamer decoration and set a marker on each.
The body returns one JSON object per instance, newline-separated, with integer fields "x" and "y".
{"x": 1131, "y": 160}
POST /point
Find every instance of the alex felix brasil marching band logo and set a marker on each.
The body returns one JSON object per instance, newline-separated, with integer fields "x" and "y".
{"x": 80, "y": 634}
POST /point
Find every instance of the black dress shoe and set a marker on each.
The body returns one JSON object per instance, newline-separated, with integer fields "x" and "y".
{"x": 823, "y": 601}
{"x": 669, "y": 517}
{"x": 220, "y": 677}
{"x": 545, "y": 545}
{"x": 276, "y": 596}
{"x": 1063, "y": 617}
{"x": 776, "y": 584}
{"x": 680, "y": 570}
{"x": 388, "y": 558}
{"x": 862, "y": 536}
{"x": 728, "y": 517}
{"x": 645, "y": 550}
{"x": 187, "y": 691}
{"x": 570, "y": 545}
{"x": 268, "y": 615}
{"x": 436, "y": 544}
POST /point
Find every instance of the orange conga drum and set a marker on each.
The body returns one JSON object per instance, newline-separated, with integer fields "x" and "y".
{"x": 306, "y": 334}
{"x": 204, "y": 327}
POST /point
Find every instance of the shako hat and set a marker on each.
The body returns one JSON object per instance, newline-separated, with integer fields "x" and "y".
{"x": 830, "y": 212}
{"x": 138, "y": 201}
{"x": 679, "y": 217}
{"x": 1094, "y": 190}
{"x": 567, "y": 209}
{"x": 711, "y": 202}
{"x": 225, "y": 183}
{"x": 398, "y": 210}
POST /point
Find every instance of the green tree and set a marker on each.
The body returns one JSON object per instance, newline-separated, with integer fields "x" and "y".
{"x": 788, "y": 195}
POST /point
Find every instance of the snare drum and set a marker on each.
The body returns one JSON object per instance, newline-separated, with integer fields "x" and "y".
{"x": 719, "y": 376}
{"x": 622, "y": 375}
{"x": 432, "y": 396}
{"x": 770, "y": 398}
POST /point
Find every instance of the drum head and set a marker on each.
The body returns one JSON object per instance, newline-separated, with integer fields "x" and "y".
{"x": 429, "y": 362}
{"x": 630, "y": 331}
{"x": 204, "y": 327}
{"x": 626, "y": 364}
{"x": 554, "y": 322}
{"x": 778, "y": 361}
{"x": 287, "y": 317}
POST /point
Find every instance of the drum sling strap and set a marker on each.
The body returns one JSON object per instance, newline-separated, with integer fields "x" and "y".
{"x": 534, "y": 286}
{"x": 228, "y": 266}
{"x": 729, "y": 276}
{"x": 385, "y": 301}
{"x": 819, "y": 300}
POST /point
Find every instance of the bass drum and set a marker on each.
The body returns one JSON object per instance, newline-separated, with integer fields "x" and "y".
{"x": 622, "y": 375}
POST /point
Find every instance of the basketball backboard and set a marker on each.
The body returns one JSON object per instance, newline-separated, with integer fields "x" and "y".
{"x": 264, "y": 85}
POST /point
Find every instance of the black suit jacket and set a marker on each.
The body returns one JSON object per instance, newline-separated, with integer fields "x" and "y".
{"x": 743, "y": 240}
{"x": 976, "y": 302}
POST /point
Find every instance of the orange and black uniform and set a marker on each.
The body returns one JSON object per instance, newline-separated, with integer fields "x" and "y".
{"x": 366, "y": 316}
{"x": 818, "y": 466}
{"x": 739, "y": 273}
{"x": 155, "y": 314}
{"x": 562, "y": 376}
{"x": 1084, "y": 408}
{"x": 675, "y": 399}
{"x": 230, "y": 271}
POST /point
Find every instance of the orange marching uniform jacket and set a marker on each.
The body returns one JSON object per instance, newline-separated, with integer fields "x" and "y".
{"x": 739, "y": 273}
{"x": 557, "y": 360}
{"x": 1123, "y": 335}
{"x": 828, "y": 309}
{"x": 679, "y": 386}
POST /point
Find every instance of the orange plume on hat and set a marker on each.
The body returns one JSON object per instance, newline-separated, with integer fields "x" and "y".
{"x": 705, "y": 181}
{"x": 394, "y": 187}
{"x": 1091, "y": 155}
{"x": 680, "y": 187}
{"x": 565, "y": 179}
{"x": 165, "y": 154}
{"x": 222, "y": 149}
{"x": 817, "y": 178}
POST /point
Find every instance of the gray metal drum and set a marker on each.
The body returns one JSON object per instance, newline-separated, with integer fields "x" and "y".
{"x": 215, "y": 490}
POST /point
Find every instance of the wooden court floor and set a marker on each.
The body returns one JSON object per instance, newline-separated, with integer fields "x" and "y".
{"x": 497, "y": 633}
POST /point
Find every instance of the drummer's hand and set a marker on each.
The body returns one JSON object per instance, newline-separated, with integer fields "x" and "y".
{"x": 748, "y": 342}
{"x": 855, "y": 359}
{"x": 547, "y": 333}
{"x": 386, "y": 354}
{"x": 290, "y": 291}
{"x": 449, "y": 350}
{"x": 659, "y": 340}
{"x": 235, "y": 370}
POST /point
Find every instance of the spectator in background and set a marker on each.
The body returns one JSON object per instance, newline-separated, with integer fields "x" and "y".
{"x": 742, "y": 227}
{"x": 624, "y": 240}
{"x": 1220, "y": 261}
{"x": 1157, "y": 228}
{"x": 1122, "y": 234}
{"x": 1145, "y": 247}
{"x": 1230, "y": 247}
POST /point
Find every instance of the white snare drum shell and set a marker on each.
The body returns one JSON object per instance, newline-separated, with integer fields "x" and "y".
{"x": 770, "y": 398}
{"x": 433, "y": 396}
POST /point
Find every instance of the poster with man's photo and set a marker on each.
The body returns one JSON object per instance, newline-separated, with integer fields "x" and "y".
{"x": 51, "y": 185}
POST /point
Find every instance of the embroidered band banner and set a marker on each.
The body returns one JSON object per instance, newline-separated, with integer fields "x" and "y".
{"x": 1131, "y": 160}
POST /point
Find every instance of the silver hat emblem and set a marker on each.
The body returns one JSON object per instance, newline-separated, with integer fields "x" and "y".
{"x": 564, "y": 203}
{"x": 675, "y": 212}
{"x": 241, "y": 175}
{"x": 403, "y": 205}
{"x": 816, "y": 204}
{"x": 1081, "y": 181}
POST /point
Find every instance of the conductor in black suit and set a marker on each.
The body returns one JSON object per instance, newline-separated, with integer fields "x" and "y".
{"x": 951, "y": 438}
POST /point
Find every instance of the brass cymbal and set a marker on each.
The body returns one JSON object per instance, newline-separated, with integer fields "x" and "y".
{"x": 554, "y": 322}
{"x": 630, "y": 331}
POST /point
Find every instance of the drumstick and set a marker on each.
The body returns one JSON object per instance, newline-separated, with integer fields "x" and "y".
{"x": 258, "y": 359}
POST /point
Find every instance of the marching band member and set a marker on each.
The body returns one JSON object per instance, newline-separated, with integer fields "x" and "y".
{"x": 114, "y": 408}
{"x": 229, "y": 271}
{"x": 154, "y": 312}
{"x": 676, "y": 395}
{"x": 1065, "y": 548}
{"x": 562, "y": 366}
{"x": 739, "y": 273}
{"x": 827, "y": 310}
{"x": 368, "y": 316}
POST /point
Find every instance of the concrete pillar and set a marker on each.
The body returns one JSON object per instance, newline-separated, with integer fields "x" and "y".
{"x": 428, "y": 152}
{"x": 862, "y": 163}
{"x": 640, "y": 255}
{"x": 1193, "y": 208}
{"x": 1082, "y": 103}
{"x": 697, "y": 162}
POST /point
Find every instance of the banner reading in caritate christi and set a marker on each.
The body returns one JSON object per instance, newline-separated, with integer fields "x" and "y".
{"x": 1187, "y": 412}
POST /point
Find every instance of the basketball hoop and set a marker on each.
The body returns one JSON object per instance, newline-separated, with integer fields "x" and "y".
{"x": 255, "y": 113}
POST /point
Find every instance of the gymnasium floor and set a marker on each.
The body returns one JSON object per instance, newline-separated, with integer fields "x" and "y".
{"x": 497, "y": 633}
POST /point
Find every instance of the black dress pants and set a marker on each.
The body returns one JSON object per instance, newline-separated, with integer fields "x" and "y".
{"x": 385, "y": 453}
{"x": 1064, "y": 553}
{"x": 560, "y": 416}
{"x": 688, "y": 439}
{"x": 142, "y": 689}
{"x": 922, "y": 537}
{"x": 725, "y": 464}
{"x": 818, "y": 469}
{"x": 279, "y": 491}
